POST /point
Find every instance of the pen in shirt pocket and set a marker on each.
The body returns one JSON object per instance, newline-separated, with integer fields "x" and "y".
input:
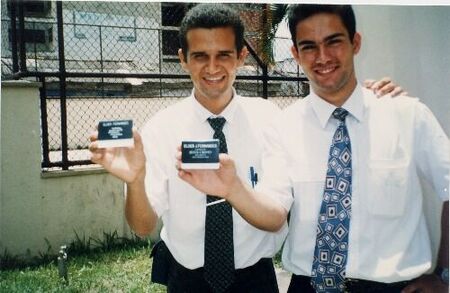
{"x": 253, "y": 176}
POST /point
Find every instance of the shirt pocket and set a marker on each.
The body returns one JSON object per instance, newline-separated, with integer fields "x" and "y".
{"x": 387, "y": 187}
{"x": 308, "y": 193}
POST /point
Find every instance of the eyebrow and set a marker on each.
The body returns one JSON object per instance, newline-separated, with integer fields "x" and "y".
{"x": 330, "y": 37}
{"x": 204, "y": 53}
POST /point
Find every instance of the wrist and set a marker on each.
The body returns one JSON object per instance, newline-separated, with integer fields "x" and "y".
{"x": 442, "y": 273}
{"x": 235, "y": 191}
{"x": 138, "y": 181}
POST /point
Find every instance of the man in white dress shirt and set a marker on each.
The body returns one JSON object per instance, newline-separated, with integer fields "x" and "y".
{"x": 394, "y": 142}
{"x": 211, "y": 40}
{"x": 212, "y": 49}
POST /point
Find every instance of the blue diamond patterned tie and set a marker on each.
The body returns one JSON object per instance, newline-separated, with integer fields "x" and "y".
{"x": 330, "y": 254}
{"x": 219, "y": 248}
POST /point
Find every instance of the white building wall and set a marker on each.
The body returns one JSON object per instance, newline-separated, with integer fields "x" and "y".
{"x": 411, "y": 45}
{"x": 37, "y": 207}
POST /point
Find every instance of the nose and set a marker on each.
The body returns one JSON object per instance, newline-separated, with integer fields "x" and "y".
{"x": 323, "y": 55}
{"x": 212, "y": 66}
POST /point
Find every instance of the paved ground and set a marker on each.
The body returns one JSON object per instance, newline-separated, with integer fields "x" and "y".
{"x": 283, "y": 278}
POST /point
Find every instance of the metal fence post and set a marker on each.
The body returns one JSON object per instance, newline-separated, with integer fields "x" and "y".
{"x": 62, "y": 85}
{"x": 261, "y": 64}
{"x": 21, "y": 38}
{"x": 13, "y": 15}
{"x": 44, "y": 122}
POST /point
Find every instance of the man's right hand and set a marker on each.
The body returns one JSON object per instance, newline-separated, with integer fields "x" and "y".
{"x": 126, "y": 163}
{"x": 218, "y": 182}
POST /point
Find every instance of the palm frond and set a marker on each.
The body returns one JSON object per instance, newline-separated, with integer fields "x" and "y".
{"x": 272, "y": 15}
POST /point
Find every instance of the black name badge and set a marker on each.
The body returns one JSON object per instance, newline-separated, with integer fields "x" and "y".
{"x": 200, "y": 154}
{"x": 115, "y": 133}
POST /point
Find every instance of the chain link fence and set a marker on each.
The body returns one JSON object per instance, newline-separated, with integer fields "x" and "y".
{"x": 118, "y": 60}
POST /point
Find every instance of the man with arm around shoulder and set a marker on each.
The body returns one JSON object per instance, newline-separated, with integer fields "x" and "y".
{"x": 347, "y": 166}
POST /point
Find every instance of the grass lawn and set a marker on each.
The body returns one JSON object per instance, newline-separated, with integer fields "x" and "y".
{"x": 126, "y": 270}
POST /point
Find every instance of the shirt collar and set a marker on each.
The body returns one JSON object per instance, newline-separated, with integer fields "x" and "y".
{"x": 354, "y": 105}
{"x": 228, "y": 113}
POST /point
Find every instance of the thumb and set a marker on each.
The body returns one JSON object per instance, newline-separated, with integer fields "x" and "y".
{"x": 186, "y": 176}
{"x": 226, "y": 161}
{"x": 137, "y": 139}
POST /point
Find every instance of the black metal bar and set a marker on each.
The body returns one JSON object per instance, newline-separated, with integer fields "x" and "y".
{"x": 138, "y": 75}
{"x": 101, "y": 59}
{"x": 62, "y": 86}
{"x": 265, "y": 92}
{"x": 160, "y": 61}
{"x": 265, "y": 71}
{"x": 35, "y": 51}
{"x": 150, "y": 75}
{"x": 69, "y": 164}
{"x": 264, "y": 65}
{"x": 44, "y": 121}
{"x": 99, "y": 74}
{"x": 13, "y": 18}
{"x": 253, "y": 53}
{"x": 21, "y": 37}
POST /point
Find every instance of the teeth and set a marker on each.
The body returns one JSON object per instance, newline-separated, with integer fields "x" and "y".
{"x": 213, "y": 78}
{"x": 325, "y": 71}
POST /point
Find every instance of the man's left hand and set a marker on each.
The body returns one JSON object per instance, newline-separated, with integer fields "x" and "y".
{"x": 384, "y": 86}
{"x": 426, "y": 284}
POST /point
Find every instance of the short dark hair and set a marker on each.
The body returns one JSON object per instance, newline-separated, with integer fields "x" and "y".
{"x": 300, "y": 12}
{"x": 211, "y": 16}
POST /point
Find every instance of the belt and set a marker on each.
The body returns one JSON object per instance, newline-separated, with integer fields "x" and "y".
{"x": 355, "y": 285}
{"x": 358, "y": 285}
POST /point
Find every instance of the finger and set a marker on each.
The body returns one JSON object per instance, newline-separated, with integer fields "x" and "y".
{"x": 381, "y": 88}
{"x": 178, "y": 156}
{"x": 93, "y": 147}
{"x": 93, "y": 136}
{"x": 179, "y": 148}
{"x": 411, "y": 288}
{"x": 368, "y": 83}
{"x": 381, "y": 83}
{"x": 178, "y": 165}
{"x": 385, "y": 89}
{"x": 96, "y": 157}
{"x": 397, "y": 91}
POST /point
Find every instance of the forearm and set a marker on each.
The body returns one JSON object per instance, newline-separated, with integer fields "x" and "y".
{"x": 257, "y": 209}
{"x": 442, "y": 260}
{"x": 139, "y": 213}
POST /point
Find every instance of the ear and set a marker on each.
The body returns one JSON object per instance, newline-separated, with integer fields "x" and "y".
{"x": 183, "y": 59}
{"x": 294, "y": 53}
{"x": 242, "y": 55}
{"x": 356, "y": 43}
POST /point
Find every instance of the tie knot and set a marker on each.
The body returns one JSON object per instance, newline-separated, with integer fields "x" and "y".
{"x": 217, "y": 123}
{"x": 340, "y": 114}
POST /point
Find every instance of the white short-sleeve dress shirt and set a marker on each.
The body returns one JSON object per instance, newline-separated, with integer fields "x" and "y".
{"x": 394, "y": 142}
{"x": 183, "y": 208}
